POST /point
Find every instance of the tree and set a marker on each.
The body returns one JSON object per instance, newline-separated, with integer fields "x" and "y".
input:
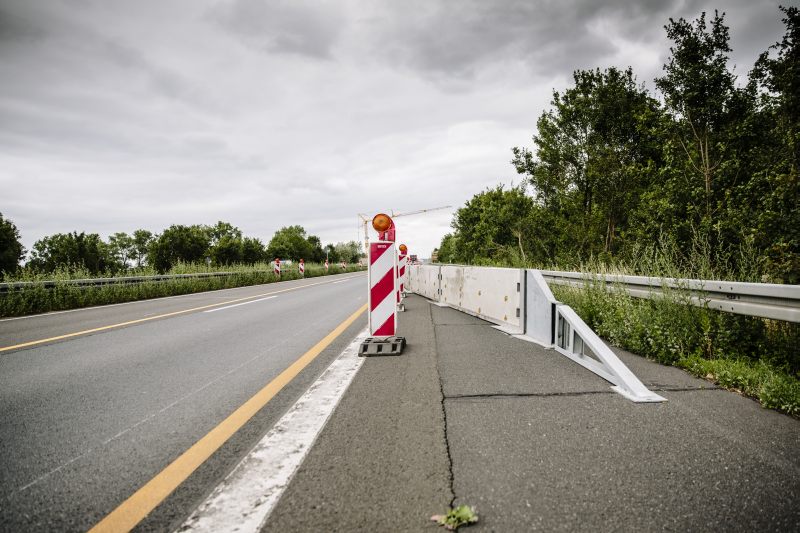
{"x": 331, "y": 253}
{"x": 775, "y": 218}
{"x": 490, "y": 223}
{"x": 698, "y": 91}
{"x": 221, "y": 229}
{"x": 447, "y": 250}
{"x": 141, "y": 244}
{"x": 592, "y": 152}
{"x": 73, "y": 250}
{"x": 350, "y": 251}
{"x": 317, "y": 254}
{"x": 253, "y": 251}
{"x": 11, "y": 249}
{"x": 189, "y": 244}
{"x": 289, "y": 243}
{"x": 226, "y": 251}
{"x": 122, "y": 248}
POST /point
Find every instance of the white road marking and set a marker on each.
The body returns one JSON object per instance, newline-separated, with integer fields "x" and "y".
{"x": 237, "y": 305}
{"x": 341, "y": 281}
{"x": 245, "y": 498}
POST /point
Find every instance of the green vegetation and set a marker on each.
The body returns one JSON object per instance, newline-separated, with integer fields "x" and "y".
{"x": 11, "y": 250}
{"x": 698, "y": 181}
{"x": 36, "y": 298}
{"x": 463, "y": 515}
{"x": 178, "y": 249}
{"x": 711, "y": 167}
{"x": 757, "y": 357}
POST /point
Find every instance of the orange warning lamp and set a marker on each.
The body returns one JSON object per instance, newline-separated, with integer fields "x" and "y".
{"x": 403, "y": 249}
{"x": 381, "y": 222}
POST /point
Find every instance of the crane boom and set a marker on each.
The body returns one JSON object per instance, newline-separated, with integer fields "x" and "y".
{"x": 419, "y": 211}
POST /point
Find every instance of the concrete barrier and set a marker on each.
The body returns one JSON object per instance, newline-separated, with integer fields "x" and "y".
{"x": 493, "y": 294}
{"x": 520, "y": 303}
{"x": 424, "y": 280}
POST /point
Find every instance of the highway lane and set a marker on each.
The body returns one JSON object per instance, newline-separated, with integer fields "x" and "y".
{"x": 88, "y": 420}
{"x": 16, "y": 330}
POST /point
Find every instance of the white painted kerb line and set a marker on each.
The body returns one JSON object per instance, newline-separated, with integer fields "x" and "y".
{"x": 244, "y": 500}
{"x": 237, "y": 305}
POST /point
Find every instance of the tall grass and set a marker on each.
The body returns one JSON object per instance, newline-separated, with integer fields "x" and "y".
{"x": 36, "y": 298}
{"x": 754, "y": 356}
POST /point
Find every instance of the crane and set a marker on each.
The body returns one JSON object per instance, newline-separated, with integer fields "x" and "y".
{"x": 365, "y": 219}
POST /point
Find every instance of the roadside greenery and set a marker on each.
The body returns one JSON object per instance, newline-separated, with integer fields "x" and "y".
{"x": 700, "y": 180}
{"x": 220, "y": 245}
{"x": 710, "y": 162}
{"x": 36, "y": 298}
{"x": 756, "y": 357}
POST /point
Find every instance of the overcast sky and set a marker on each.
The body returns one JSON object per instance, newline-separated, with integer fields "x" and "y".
{"x": 119, "y": 115}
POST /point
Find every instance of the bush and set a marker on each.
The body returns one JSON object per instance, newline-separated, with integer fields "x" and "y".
{"x": 757, "y": 357}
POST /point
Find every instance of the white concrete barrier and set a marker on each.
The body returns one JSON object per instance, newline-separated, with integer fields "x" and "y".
{"x": 424, "y": 280}
{"x": 520, "y": 303}
{"x": 493, "y": 294}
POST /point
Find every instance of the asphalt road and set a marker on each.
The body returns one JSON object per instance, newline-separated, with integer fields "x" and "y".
{"x": 470, "y": 415}
{"x": 88, "y": 419}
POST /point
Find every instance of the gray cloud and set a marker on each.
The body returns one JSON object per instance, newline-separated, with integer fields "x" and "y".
{"x": 116, "y": 115}
{"x": 294, "y": 27}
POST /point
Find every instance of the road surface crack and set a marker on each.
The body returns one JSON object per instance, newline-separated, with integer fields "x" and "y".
{"x": 451, "y": 478}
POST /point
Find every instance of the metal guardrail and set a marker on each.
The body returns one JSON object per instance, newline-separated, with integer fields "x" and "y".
{"x": 125, "y": 280}
{"x": 765, "y": 300}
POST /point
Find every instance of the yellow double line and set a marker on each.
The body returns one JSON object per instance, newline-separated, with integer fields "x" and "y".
{"x": 149, "y": 318}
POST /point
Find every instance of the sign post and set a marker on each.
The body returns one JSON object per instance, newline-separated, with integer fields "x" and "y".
{"x": 383, "y": 290}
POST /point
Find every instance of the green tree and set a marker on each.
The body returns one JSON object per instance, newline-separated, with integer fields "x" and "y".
{"x": 141, "y": 245}
{"x": 331, "y": 253}
{"x": 317, "y": 254}
{"x": 253, "y": 251}
{"x": 122, "y": 248}
{"x": 73, "y": 250}
{"x": 699, "y": 92}
{"x": 227, "y": 251}
{"x": 221, "y": 230}
{"x": 11, "y": 249}
{"x": 349, "y": 252}
{"x": 447, "y": 249}
{"x": 289, "y": 243}
{"x": 492, "y": 224}
{"x": 189, "y": 244}
{"x": 774, "y": 191}
{"x": 593, "y": 151}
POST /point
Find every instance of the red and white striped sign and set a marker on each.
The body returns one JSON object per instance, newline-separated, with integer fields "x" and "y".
{"x": 302, "y": 267}
{"x": 277, "y": 268}
{"x": 382, "y": 288}
{"x": 401, "y": 274}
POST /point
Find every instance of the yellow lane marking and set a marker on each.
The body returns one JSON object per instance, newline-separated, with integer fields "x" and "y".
{"x": 149, "y": 318}
{"x": 135, "y": 508}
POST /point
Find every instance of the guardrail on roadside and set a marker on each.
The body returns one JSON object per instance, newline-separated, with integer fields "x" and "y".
{"x": 123, "y": 280}
{"x": 765, "y": 300}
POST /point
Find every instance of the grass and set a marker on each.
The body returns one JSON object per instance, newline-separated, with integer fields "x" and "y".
{"x": 36, "y": 298}
{"x": 757, "y": 357}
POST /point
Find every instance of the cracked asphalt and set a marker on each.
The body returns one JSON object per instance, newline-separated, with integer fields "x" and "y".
{"x": 536, "y": 442}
